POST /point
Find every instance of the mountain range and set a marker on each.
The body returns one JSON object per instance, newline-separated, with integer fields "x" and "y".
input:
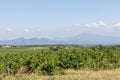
{"x": 82, "y": 39}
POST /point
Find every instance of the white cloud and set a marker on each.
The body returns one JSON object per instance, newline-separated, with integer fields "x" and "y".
{"x": 101, "y": 23}
{"x": 38, "y": 30}
{"x": 95, "y": 24}
{"x": 9, "y": 29}
{"x": 116, "y": 25}
{"x": 77, "y": 24}
{"x": 27, "y": 30}
{"x": 68, "y": 30}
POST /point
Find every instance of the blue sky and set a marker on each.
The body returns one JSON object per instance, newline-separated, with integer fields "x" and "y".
{"x": 58, "y": 18}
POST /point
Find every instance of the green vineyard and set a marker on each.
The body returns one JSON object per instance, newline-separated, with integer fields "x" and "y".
{"x": 52, "y": 60}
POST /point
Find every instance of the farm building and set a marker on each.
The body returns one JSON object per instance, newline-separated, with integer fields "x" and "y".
{"x": 6, "y": 46}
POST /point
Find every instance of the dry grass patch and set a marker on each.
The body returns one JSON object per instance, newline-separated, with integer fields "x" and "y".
{"x": 71, "y": 75}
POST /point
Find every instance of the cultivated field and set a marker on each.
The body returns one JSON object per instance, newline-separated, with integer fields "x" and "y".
{"x": 60, "y": 63}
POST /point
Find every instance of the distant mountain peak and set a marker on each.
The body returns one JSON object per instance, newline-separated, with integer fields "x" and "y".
{"x": 81, "y": 39}
{"x": 20, "y": 38}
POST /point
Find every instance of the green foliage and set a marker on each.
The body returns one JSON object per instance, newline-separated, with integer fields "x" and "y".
{"x": 50, "y": 62}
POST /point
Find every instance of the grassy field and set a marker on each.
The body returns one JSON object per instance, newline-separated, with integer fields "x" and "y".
{"x": 60, "y": 63}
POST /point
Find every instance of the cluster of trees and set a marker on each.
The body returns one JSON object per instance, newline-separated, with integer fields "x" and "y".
{"x": 56, "y": 61}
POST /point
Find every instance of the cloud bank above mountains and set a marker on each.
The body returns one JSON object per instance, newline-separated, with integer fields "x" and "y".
{"x": 95, "y": 27}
